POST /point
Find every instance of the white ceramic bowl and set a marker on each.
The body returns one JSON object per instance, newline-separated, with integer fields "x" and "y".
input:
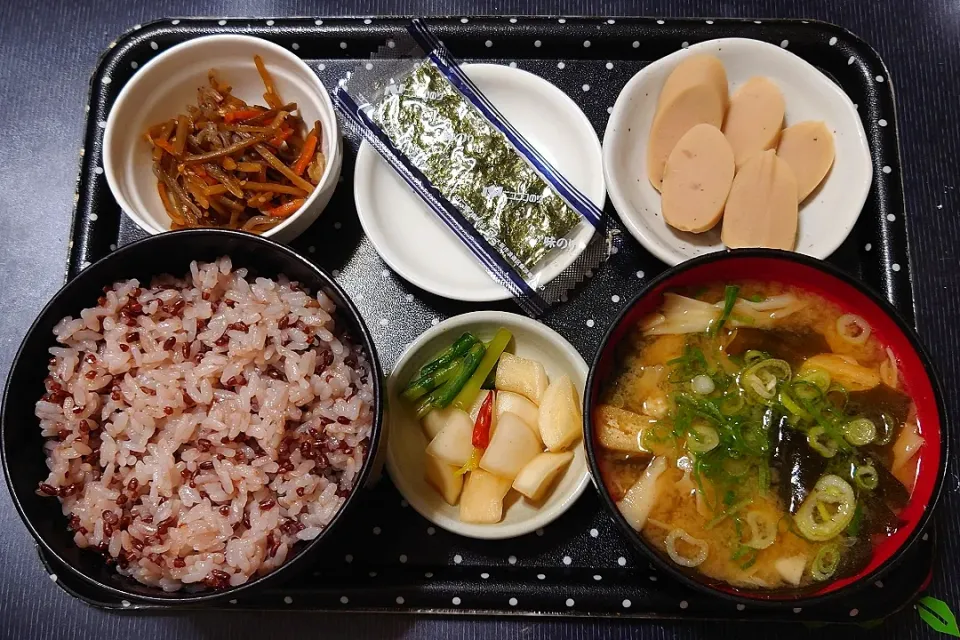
{"x": 406, "y": 442}
{"x": 164, "y": 87}
{"x": 828, "y": 214}
{"x": 400, "y": 225}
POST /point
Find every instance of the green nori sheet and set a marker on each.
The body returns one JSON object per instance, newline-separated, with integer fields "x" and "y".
{"x": 475, "y": 167}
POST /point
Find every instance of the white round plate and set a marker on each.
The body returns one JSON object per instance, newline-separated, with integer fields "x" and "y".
{"x": 826, "y": 217}
{"x": 419, "y": 246}
{"x": 407, "y": 444}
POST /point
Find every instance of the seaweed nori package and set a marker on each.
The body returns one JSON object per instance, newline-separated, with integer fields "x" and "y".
{"x": 531, "y": 229}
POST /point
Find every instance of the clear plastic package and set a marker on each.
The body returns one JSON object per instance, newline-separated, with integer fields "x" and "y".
{"x": 531, "y": 229}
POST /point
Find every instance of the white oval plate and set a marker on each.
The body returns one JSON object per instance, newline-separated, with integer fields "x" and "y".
{"x": 828, "y": 214}
{"x": 419, "y": 246}
{"x": 407, "y": 444}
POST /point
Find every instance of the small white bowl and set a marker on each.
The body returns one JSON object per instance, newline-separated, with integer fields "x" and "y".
{"x": 400, "y": 225}
{"x": 826, "y": 217}
{"x": 406, "y": 442}
{"x": 164, "y": 87}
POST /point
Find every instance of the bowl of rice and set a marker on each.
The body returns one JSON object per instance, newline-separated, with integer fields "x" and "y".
{"x": 190, "y": 416}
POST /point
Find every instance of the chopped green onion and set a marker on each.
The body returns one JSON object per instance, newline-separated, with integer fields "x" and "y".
{"x": 754, "y": 439}
{"x": 806, "y": 391}
{"x": 753, "y": 356}
{"x": 729, "y": 299}
{"x": 820, "y": 442}
{"x": 828, "y": 509}
{"x": 825, "y": 563}
{"x": 860, "y": 432}
{"x": 887, "y": 428}
{"x": 853, "y": 529}
{"x": 731, "y": 403}
{"x": 763, "y": 477}
{"x": 763, "y": 530}
{"x": 760, "y": 380}
{"x": 736, "y": 467}
{"x": 702, "y": 438}
{"x": 866, "y": 477}
{"x": 703, "y": 385}
{"x": 837, "y": 395}
{"x": 817, "y": 377}
{"x": 756, "y": 298}
{"x": 791, "y": 405}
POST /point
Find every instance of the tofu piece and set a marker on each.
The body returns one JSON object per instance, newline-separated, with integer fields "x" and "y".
{"x": 536, "y": 478}
{"x": 509, "y": 402}
{"x": 560, "y": 420}
{"x": 621, "y": 430}
{"x": 754, "y": 119}
{"x": 809, "y": 150}
{"x": 791, "y": 568}
{"x": 511, "y": 448}
{"x": 639, "y": 500}
{"x": 845, "y": 370}
{"x": 697, "y": 179}
{"x": 519, "y": 375}
{"x": 694, "y": 70}
{"x": 482, "y": 499}
{"x": 454, "y": 443}
{"x": 444, "y": 478}
{"x": 697, "y": 104}
{"x": 761, "y": 209}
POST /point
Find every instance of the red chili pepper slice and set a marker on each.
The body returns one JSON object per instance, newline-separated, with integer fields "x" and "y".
{"x": 481, "y": 428}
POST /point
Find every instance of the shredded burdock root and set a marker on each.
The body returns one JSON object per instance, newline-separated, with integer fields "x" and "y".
{"x": 225, "y": 163}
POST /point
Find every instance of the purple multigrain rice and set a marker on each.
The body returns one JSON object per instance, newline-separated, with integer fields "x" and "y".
{"x": 210, "y": 405}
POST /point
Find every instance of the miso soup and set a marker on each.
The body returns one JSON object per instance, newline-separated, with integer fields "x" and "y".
{"x": 758, "y": 434}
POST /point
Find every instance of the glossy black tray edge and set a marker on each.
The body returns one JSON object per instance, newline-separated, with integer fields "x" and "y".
{"x": 93, "y": 235}
{"x": 91, "y": 596}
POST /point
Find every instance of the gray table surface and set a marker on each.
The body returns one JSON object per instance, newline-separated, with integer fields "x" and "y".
{"x": 48, "y": 49}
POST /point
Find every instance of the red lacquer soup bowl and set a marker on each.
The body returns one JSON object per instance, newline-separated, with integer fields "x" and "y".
{"x": 914, "y": 369}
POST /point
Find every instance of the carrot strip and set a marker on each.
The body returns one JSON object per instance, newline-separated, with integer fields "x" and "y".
{"x": 285, "y": 209}
{"x": 166, "y": 146}
{"x": 306, "y": 153}
{"x": 278, "y": 140}
{"x": 241, "y": 114}
{"x": 274, "y": 187}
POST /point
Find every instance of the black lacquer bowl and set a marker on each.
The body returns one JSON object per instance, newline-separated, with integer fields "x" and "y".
{"x": 915, "y": 369}
{"x": 22, "y": 444}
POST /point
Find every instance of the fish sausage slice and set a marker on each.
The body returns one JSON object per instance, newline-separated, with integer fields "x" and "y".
{"x": 697, "y": 179}
{"x": 754, "y": 119}
{"x": 808, "y": 148}
{"x": 761, "y": 209}
{"x": 694, "y": 105}
{"x": 694, "y": 70}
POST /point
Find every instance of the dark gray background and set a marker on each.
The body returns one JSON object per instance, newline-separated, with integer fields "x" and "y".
{"x": 49, "y": 48}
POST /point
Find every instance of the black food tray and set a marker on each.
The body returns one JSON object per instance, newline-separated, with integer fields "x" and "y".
{"x": 384, "y": 556}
